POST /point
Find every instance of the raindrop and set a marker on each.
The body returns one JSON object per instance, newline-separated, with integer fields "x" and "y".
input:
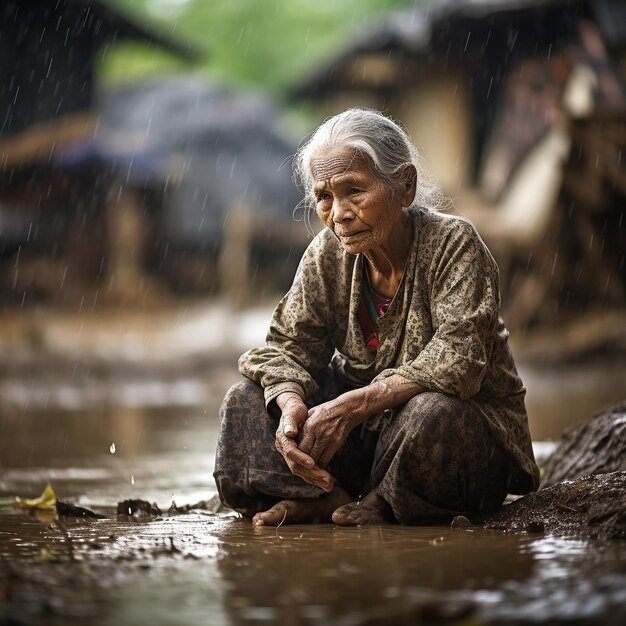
{"x": 469, "y": 34}
{"x": 132, "y": 479}
{"x": 63, "y": 278}
{"x": 112, "y": 448}
{"x": 556, "y": 256}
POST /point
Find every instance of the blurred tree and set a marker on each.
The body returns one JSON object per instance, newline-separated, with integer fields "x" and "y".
{"x": 265, "y": 43}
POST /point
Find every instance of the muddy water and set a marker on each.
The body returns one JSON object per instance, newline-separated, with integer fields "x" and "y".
{"x": 206, "y": 569}
{"x": 220, "y": 571}
{"x": 96, "y": 458}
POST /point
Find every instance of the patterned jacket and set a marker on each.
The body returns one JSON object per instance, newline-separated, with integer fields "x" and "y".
{"x": 442, "y": 329}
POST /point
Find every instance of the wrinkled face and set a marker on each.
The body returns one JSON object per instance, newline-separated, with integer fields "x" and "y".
{"x": 351, "y": 201}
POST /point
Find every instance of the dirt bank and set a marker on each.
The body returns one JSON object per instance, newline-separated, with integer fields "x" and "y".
{"x": 593, "y": 506}
{"x": 597, "y": 446}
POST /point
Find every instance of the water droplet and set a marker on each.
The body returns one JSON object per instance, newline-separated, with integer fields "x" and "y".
{"x": 112, "y": 448}
{"x": 132, "y": 479}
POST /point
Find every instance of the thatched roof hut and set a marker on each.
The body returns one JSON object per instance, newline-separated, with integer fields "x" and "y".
{"x": 441, "y": 68}
{"x": 49, "y": 211}
{"x": 47, "y": 53}
{"x": 100, "y": 192}
{"x": 512, "y": 102}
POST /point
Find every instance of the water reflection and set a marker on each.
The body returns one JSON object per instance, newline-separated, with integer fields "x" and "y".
{"x": 360, "y": 571}
{"x": 205, "y": 569}
{"x": 197, "y": 568}
{"x": 159, "y": 454}
{"x": 399, "y": 575}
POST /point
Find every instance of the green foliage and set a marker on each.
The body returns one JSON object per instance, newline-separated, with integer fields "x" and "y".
{"x": 265, "y": 43}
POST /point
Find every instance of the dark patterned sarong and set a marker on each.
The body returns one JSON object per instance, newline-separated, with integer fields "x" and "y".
{"x": 430, "y": 459}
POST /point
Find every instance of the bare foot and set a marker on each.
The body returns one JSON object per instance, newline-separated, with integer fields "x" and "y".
{"x": 303, "y": 511}
{"x": 371, "y": 510}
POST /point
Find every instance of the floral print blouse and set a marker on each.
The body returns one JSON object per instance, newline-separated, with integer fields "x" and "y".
{"x": 442, "y": 328}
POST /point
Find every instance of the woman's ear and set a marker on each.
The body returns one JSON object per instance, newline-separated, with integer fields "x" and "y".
{"x": 410, "y": 185}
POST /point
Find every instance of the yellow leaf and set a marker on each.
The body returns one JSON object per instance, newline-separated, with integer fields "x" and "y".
{"x": 45, "y": 555}
{"x": 46, "y": 501}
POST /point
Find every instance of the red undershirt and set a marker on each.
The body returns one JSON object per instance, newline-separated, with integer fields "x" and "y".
{"x": 372, "y": 307}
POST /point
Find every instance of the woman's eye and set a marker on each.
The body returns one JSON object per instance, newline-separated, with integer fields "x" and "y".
{"x": 354, "y": 190}
{"x": 323, "y": 197}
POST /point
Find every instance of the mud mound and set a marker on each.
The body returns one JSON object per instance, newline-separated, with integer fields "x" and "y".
{"x": 597, "y": 446}
{"x": 591, "y": 506}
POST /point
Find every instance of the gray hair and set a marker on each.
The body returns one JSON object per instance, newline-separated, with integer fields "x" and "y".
{"x": 385, "y": 146}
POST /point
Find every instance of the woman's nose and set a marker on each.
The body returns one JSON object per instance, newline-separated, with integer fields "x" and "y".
{"x": 342, "y": 211}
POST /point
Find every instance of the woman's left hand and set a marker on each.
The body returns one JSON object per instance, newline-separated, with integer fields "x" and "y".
{"x": 327, "y": 427}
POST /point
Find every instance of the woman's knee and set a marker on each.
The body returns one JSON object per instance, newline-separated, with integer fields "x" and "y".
{"x": 241, "y": 392}
{"x": 243, "y": 406}
{"x": 432, "y": 430}
{"x": 243, "y": 397}
{"x": 430, "y": 414}
{"x": 421, "y": 435}
{"x": 447, "y": 453}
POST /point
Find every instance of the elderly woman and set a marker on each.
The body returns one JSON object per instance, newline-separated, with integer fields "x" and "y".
{"x": 386, "y": 390}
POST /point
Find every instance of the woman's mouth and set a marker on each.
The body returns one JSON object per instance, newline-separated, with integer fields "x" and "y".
{"x": 349, "y": 236}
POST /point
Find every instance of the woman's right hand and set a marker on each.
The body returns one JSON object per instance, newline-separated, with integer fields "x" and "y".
{"x": 294, "y": 413}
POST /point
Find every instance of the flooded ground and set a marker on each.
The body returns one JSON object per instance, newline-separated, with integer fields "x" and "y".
{"x": 106, "y": 413}
{"x": 203, "y": 568}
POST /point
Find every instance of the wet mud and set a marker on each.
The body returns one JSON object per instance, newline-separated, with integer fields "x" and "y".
{"x": 590, "y": 506}
{"x": 583, "y": 490}
{"x": 203, "y": 568}
{"x": 191, "y": 566}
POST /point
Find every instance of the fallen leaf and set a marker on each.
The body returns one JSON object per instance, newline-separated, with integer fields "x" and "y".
{"x": 46, "y": 501}
{"x": 45, "y": 555}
